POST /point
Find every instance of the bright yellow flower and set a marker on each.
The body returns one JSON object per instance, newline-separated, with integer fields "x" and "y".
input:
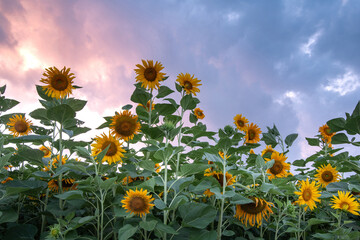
{"x": 308, "y": 195}
{"x": 137, "y": 202}
{"x": 268, "y": 149}
{"x": 252, "y": 133}
{"x": 115, "y": 151}
{"x": 125, "y": 125}
{"x": 240, "y": 122}
{"x": 252, "y": 213}
{"x": 199, "y": 113}
{"x": 46, "y": 151}
{"x": 280, "y": 167}
{"x": 149, "y": 74}
{"x": 346, "y": 202}
{"x": 326, "y": 133}
{"x": 60, "y": 82}
{"x": 189, "y": 83}
{"x": 327, "y": 174}
{"x": 157, "y": 167}
{"x": 19, "y": 125}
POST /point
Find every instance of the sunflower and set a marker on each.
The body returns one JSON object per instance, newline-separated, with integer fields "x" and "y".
{"x": 254, "y": 212}
{"x": 240, "y": 122}
{"x": 67, "y": 184}
{"x": 7, "y": 180}
{"x": 208, "y": 193}
{"x": 199, "y": 113}
{"x": 252, "y": 151}
{"x": 46, "y": 151}
{"x": 326, "y": 133}
{"x": 219, "y": 176}
{"x": 19, "y": 125}
{"x": 252, "y": 133}
{"x": 280, "y": 167}
{"x": 115, "y": 151}
{"x": 137, "y": 202}
{"x": 55, "y": 161}
{"x": 127, "y": 180}
{"x": 125, "y": 125}
{"x": 327, "y": 174}
{"x": 222, "y": 155}
{"x": 268, "y": 149}
{"x": 60, "y": 82}
{"x": 149, "y": 74}
{"x": 346, "y": 202}
{"x": 147, "y": 108}
{"x": 189, "y": 83}
{"x": 308, "y": 195}
{"x": 157, "y": 167}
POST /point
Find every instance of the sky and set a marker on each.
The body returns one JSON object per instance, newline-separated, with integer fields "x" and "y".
{"x": 295, "y": 64}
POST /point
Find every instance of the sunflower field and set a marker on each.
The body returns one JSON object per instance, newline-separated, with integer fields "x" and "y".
{"x": 157, "y": 172}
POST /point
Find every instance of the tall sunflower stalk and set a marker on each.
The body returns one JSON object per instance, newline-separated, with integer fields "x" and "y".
{"x": 219, "y": 228}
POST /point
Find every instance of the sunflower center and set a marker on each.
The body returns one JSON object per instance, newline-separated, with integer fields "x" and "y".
{"x": 344, "y": 206}
{"x": 45, "y": 151}
{"x": 137, "y": 204}
{"x": 251, "y": 134}
{"x": 199, "y": 113}
{"x": 240, "y": 123}
{"x": 59, "y": 82}
{"x": 276, "y": 168}
{"x": 188, "y": 85}
{"x": 112, "y": 149}
{"x": 253, "y": 208}
{"x": 150, "y": 74}
{"x": 327, "y": 131}
{"x": 20, "y": 126}
{"x": 307, "y": 194}
{"x": 124, "y": 128}
{"x": 327, "y": 176}
{"x": 220, "y": 178}
{"x": 66, "y": 183}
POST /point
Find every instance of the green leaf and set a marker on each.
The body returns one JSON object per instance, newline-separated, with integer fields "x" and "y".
{"x": 8, "y": 215}
{"x": 148, "y": 165}
{"x": 108, "y": 183}
{"x": 164, "y": 91}
{"x": 4, "y": 159}
{"x": 127, "y": 107}
{"x": 336, "y": 124}
{"x": 148, "y": 185}
{"x": 140, "y": 96}
{"x": 30, "y": 139}
{"x": 126, "y": 232}
{"x": 269, "y": 139}
{"x": 197, "y": 215}
{"x": 70, "y": 195}
{"x": 159, "y": 204}
{"x": 164, "y": 154}
{"x": 21, "y": 231}
{"x": 83, "y": 152}
{"x": 192, "y": 118}
{"x": 18, "y": 186}
{"x": 352, "y": 125}
{"x": 76, "y": 104}
{"x": 313, "y": 141}
{"x": 178, "y": 87}
{"x": 337, "y": 186}
{"x": 315, "y": 221}
{"x": 339, "y": 138}
{"x": 356, "y": 112}
{"x": 42, "y": 93}
{"x": 240, "y": 199}
{"x": 2, "y": 89}
{"x": 289, "y": 140}
{"x": 299, "y": 163}
{"x": 165, "y": 228}
{"x": 260, "y": 162}
{"x": 188, "y": 102}
{"x": 165, "y": 109}
{"x": 61, "y": 113}
{"x": 190, "y": 169}
{"x": 6, "y": 104}
{"x": 148, "y": 225}
{"x": 224, "y": 144}
{"x": 324, "y": 236}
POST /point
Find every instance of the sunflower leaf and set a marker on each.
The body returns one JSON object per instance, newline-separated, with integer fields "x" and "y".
{"x": 313, "y": 141}
{"x": 140, "y": 96}
{"x": 6, "y": 104}
{"x": 163, "y": 92}
{"x": 127, "y": 107}
{"x": 61, "y": 113}
{"x": 197, "y": 215}
{"x": 289, "y": 140}
{"x": 336, "y": 124}
{"x": 2, "y": 89}
{"x": 126, "y": 232}
{"x": 339, "y": 138}
{"x": 42, "y": 93}
{"x": 188, "y": 102}
{"x": 76, "y": 104}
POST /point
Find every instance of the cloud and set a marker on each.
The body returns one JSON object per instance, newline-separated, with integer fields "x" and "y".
{"x": 344, "y": 84}
{"x": 307, "y": 47}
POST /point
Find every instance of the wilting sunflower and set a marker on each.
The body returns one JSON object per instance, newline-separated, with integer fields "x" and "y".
{"x": 268, "y": 149}
{"x": 280, "y": 167}
{"x": 149, "y": 74}
{"x": 60, "y": 82}
{"x": 219, "y": 176}
{"x": 46, "y": 151}
{"x": 199, "y": 113}
{"x": 240, "y": 122}
{"x": 308, "y": 195}
{"x": 326, "y": 133}
{"x": 147, "y": 108}
{"x": 115, "y": 151}
{"x": 125, "y": 125}
{"x": 137, "y": 202}
{"x": 7, "y": 180}
{"x": 255, "y": 212}
{"x": 67, "y": 184}
{"x": 346, "y": 202}
{"x": 19, "y": 125}
{"x": 327, "y": 174}
{"x": 252, "y": 133}
{"x": 189, "y": 83}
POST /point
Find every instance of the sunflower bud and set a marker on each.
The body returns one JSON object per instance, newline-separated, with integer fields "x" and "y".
{"x": 55, "y": 231}
{"x": 167, "y": 126}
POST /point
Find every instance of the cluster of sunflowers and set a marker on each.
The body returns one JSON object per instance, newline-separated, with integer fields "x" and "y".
{"x": 176, "y": 185}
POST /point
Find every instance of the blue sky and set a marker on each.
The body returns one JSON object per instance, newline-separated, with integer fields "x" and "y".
{"x": 292, "y": 63}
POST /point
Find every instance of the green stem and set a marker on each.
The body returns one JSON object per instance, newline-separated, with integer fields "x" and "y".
{"x": 219, "y": 232}
{"x": 60, "y": 164}
{"x": 179, "y": 142}
{"x": 43, "y": 217}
